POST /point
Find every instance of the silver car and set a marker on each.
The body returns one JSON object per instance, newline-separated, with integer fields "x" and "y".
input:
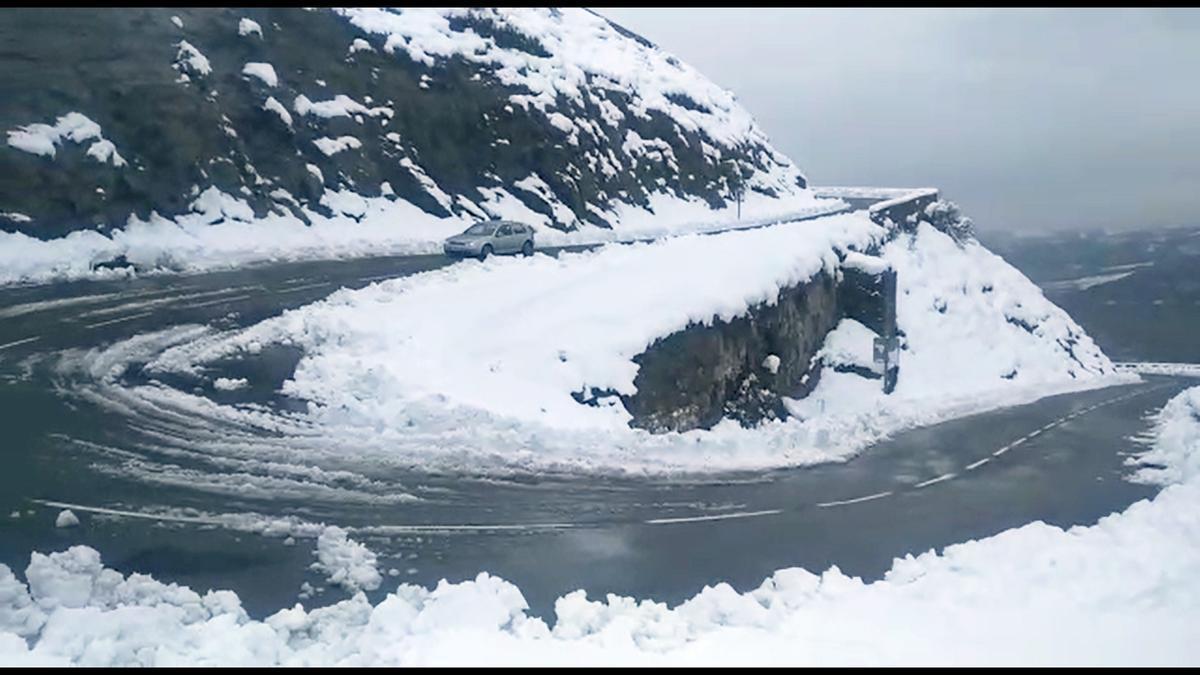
{"x": 491, "y": 236}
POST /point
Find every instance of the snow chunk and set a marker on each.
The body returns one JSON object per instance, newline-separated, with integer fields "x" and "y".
{"x": 276, "y": 107}
{"x": 849, "y": 344}
{"x": 360, "y": 45}
{"x": 263, "y": 71}
{"x": 332, "y": 146}
{"x": 189, "y": 60}
{"x": 66, "y": 518}
{"x": 866, "y": 263}
{"x": 339, "y": 106}
{"x": 249, "y": 26}
{"x": 213, "y": 205}
{"x": 43, "y": 139}
{"x": 771, "y": 363}
{"x": 105, "y": 152}
{"x": 346, "y": 562}
{"x": 177, "y": 21}
{"x": 230, "y": 384}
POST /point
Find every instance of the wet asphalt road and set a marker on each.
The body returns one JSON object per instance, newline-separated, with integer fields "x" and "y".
{"x": 660, "y": 539}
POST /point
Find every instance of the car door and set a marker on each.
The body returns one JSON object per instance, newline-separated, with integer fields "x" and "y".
{"x": 512, "y": 242}
{"x": 502, "y": 240}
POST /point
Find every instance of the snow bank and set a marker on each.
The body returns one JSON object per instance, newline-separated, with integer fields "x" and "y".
{"x": 1174, "y": 454}
{"x": 1121, "y": 592}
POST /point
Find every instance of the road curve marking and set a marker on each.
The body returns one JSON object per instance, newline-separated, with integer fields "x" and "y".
{"x": 931, "y": 481}
{"x": 127, "y": 514}
{"x": 877, "y": 495}
{"x": 303, "y": 288}
{"x": 721, "y": 516}
{"x": 112, "y": 321}
{"x": 975, "y": 465}
{"x": 389, "y": 529}
{"x": 221, "y": 301}
{"x": 17, "y": 343}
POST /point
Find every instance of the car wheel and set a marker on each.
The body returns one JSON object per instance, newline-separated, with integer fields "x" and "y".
{"x": 485, "y": 251}
{"x": 527, "y": 249}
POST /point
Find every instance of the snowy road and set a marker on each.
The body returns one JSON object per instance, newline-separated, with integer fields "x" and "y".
{"x": 1058, "y": 460}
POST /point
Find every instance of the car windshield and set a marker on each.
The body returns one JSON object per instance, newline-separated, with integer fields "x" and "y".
{"x": 481, "y": 228}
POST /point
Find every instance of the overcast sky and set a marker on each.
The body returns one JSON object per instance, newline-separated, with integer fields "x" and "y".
{"x": 1028, "y": 118}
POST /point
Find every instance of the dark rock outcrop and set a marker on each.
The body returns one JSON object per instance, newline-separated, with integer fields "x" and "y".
{"x": 696, "y": 377}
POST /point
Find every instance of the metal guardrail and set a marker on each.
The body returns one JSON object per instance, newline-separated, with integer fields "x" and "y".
{"x": 1155, "y": 368}
{"x": 893, "y": 207}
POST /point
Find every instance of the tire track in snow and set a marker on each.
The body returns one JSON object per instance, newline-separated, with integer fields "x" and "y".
{"x": 502, "y": 527}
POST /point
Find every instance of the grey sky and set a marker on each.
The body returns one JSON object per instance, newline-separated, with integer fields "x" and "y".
{"x": 1029, "y": 119}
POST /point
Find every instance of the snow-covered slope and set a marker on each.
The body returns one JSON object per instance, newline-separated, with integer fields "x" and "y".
{"x": 478, "y": 366}
{"x": 383, "y": 129}
{"x": 973, "y": 329}
{"x": 1121, "y": 592}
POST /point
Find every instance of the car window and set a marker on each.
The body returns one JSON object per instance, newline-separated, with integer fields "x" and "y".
{"x": 505, "y": 230}
{"x": 479, "y": 229}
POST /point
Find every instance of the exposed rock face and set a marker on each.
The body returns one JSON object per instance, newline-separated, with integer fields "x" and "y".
{"x": 695, "y": 377}
{"x": 279, "y": 106}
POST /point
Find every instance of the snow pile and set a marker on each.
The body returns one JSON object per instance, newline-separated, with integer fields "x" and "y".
{"x": 66, "y": 518}
{"x": 346, "y": 562}
{"x": 44, "y": 139}
{"x": 1124, "y": 591}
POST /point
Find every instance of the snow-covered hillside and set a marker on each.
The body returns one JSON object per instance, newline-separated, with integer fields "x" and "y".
{"x": 1121, "y": 592}
{"x": 352, "y": 131}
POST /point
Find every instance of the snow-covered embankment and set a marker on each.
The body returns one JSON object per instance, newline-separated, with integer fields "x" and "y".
{"x": 478, "y": 366}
